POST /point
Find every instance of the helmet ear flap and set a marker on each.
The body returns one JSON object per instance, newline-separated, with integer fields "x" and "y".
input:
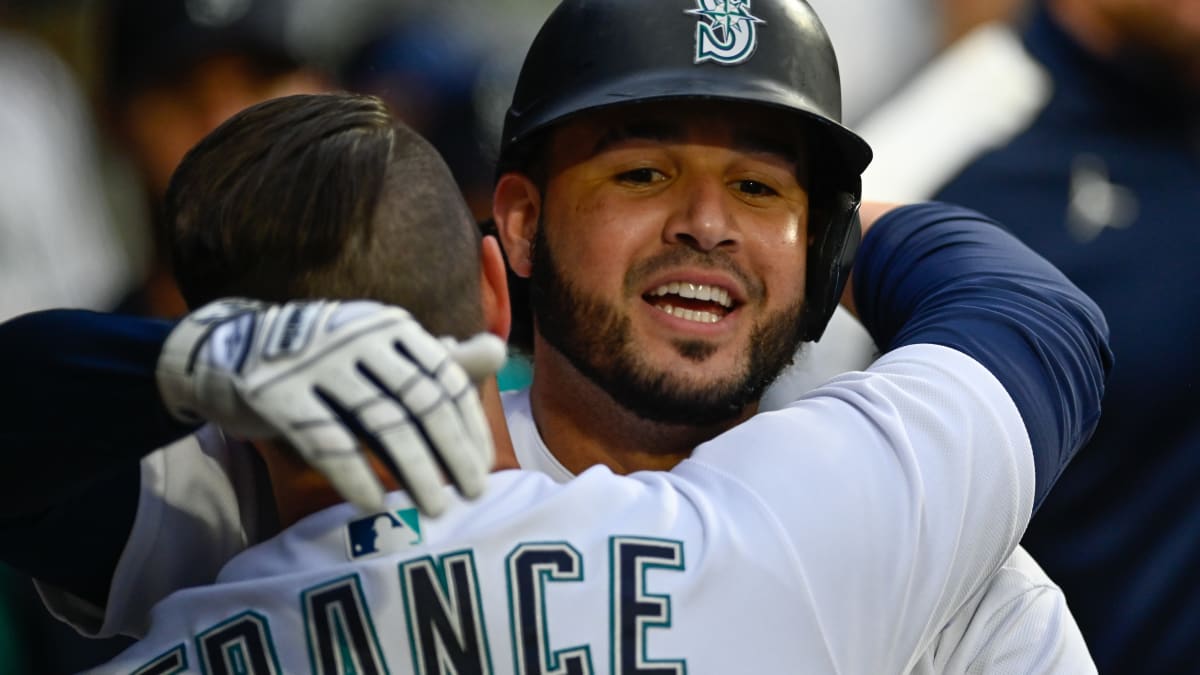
{"x": 830, "y": 257}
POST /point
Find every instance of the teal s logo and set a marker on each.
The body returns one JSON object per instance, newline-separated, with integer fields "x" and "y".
{"x": 727, "y": 32}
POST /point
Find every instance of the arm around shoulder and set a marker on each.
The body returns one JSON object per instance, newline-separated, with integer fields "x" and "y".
{"x": 917, "y": 477}
{"x": 939, "y": 274}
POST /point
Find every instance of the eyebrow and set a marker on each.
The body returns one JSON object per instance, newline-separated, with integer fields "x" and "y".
{"x": 755, "y": 143}
{"x": 659, "y": 132}
{"x": 744, "y": 140}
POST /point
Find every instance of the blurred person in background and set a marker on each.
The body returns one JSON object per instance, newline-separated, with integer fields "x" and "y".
{"x": 58, "y": 247}
{"x": 1082, "y": 133}
{"x": 57, "y": 243}
{"x": 428, "y": 70}
{"x": 173, "y": 71}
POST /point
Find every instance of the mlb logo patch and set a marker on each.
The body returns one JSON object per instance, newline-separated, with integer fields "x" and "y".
{"x": 382, "y": 533}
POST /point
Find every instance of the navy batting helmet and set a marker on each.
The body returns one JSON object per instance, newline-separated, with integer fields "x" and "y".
{"x": 593, "y": 54}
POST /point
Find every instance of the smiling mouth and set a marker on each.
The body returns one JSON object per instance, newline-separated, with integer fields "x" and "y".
{"x": 699, "y": 303}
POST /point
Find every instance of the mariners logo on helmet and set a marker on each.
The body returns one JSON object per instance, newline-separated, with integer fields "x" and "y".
{"x": 730, "y": 36}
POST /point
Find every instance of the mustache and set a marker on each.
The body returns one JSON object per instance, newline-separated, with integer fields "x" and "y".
{"x": 683, "y": 256}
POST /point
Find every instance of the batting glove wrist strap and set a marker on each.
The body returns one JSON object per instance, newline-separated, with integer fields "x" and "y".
{"x": 201, "y": 358}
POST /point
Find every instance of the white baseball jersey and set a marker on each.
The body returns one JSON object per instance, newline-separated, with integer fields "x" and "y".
{"x": 840, "y": 534}
{"x": 1019, "y": 623}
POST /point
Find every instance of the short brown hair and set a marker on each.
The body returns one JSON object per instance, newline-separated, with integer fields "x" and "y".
{"x": 324, "y": 196}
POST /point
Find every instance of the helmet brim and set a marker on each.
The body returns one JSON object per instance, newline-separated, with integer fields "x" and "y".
{"x": 854, "y": 152}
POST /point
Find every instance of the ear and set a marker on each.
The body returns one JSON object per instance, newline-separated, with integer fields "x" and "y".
{"x": 493, "y": 289}
{"x": 516, "y": 207}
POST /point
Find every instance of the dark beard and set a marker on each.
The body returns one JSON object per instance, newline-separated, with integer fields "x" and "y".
{"x": 595, "y": 338}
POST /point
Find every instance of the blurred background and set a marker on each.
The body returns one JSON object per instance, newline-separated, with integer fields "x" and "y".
{"x": 99, "y": 100}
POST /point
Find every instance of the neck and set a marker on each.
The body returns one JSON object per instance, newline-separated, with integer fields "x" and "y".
{"x": 582, "y": 425}
{"x": 489, "y": 396}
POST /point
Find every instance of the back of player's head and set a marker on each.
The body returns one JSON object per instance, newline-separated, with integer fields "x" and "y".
{"x": 324, "y": 196}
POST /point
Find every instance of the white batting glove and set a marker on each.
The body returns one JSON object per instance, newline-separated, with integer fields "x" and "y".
{"x": 325, "y": 375}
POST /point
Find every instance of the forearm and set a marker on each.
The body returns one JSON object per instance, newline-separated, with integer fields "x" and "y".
{"x": 960, "y": 281}
{"x": 79, "y": 403}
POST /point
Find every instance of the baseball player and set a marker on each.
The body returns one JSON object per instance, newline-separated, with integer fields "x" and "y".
{"x": 498, "y": 586}
{"x": 743, "y": 187}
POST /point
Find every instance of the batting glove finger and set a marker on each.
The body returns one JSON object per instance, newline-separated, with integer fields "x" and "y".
{"x": 480, "y": 356}
{"x": 445, "y": 425}
{"x": 314, "y": 430}
{"x": 402, "y": 448}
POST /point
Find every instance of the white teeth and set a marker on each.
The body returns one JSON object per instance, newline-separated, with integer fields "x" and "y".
{"x": 689, "y": 315}
{"x": 695, "y": 291}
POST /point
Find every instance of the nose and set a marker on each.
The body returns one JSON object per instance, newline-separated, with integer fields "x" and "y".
{"x": 704, "y": 221}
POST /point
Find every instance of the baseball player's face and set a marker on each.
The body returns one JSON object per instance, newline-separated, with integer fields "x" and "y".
{"x": 671, "y": 255}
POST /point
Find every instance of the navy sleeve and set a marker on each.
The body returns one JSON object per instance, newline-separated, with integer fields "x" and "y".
{"x": 79, "y": 406}
{"x": 944, "y": 275}
{"x": 79, "y": 398}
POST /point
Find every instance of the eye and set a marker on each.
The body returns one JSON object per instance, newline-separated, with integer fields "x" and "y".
{"x": 755, "y": 188}
{"x": 642, "y": 176}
